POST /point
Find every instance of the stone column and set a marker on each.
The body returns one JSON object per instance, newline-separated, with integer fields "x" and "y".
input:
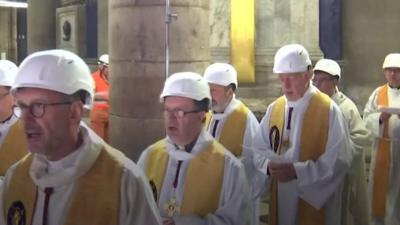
{"x": 41, "y": 25}
{"x": 8, "y": 33}
{"x": 102, "y": 32}
{"x": 281, "y": 22}
{"x": 137, "y": 38}
{"x": 289, "y": 21}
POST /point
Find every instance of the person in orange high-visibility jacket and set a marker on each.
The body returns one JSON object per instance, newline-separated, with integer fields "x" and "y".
{"x": 99, "y": 113}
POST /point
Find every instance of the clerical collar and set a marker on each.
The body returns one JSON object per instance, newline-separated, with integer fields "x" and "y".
{"x": 188, "y": 148}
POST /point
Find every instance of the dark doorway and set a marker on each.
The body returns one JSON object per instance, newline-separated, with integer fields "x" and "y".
{"x": 91, "y": 29}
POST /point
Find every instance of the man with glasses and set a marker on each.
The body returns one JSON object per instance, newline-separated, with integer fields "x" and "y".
{"x": 71, "y": 176}
{"x": 301, "y": 149}
{"x": 230, "y": 121}
{"x": 13, "y": 144}
{"x": 327, "y": 74}
{"x": 382, "y": 116}
{"x": 195, "y": 180}
{"x": 99, "y": 114}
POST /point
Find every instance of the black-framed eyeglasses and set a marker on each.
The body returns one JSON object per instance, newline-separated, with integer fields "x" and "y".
{"x": 178, "y": 113}
{"x": 322, "y": 79}
{"x": 4, "y": 95}
{"x": 36, "y": 109}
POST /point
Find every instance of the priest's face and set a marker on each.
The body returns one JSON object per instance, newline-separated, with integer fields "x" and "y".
{"x": 392, "y": 76}
{"x": 325, "y": 82}
{"x": 183, "y": 122}
{"x": 50, "y": 120}
{"x": 294, "y": 85}
{"x": 221, "y": 97}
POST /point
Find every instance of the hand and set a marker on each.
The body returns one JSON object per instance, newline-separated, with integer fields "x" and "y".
{"x": 282, "y": 172}
{"x": 169, "y": 221}
{"x": 384, "y": 117}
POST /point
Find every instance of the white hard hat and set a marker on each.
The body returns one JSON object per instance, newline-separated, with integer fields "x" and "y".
{"x": 328, "y": 66}
{"x": 186, "y": 84}
{"x": 8, "y": 72}
{"x": 221, "y": 74}
{"x": 292, "y": 58}
{"x": 392, "y": 61}
{"x": 56, "y": 70}
{"x": 104, "y": 59}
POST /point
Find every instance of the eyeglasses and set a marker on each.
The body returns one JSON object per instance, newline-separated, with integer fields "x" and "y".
{"x": 178, "y": 113}
{"x": 4, "y": 95}
{"x": 322, "y": 79}
{"x": 37, "y": 109}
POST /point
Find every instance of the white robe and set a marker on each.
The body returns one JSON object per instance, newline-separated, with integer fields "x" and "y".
{"x": 371, "y": 117}
{"x": 355, "y": 199}
{"x": 246, "y": 157}
{"x": 234, "y": 197}
{"x": 318, "y": 182}
{"x": 137, "y": 204}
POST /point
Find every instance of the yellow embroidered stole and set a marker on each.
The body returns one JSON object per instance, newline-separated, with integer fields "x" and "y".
{"x": 203, "y": 180}
{"x": 14, "y": 147}
{"x": 381, "y": 172}
{"x": 232, "y": 133}
{"x": 96, "y": 197}
{"x": 312, "y": 145}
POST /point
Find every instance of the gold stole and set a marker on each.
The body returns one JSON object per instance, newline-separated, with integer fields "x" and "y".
{"x": 96, "y": 197}
{"x": 382, "y": 163}
{"x": 203, "y": 180}
{"x": 310, "y": 149}
{"x": 232, "y": 133}
{"x": 13, "y": 148}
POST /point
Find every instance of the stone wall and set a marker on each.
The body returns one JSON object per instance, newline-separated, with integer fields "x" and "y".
{"x": 8, "y": 34}
{"x": 368, "y": 36}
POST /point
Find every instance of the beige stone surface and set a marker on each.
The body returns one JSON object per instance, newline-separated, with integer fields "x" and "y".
{"x": 368, "y": 36}
{"x": 7, "y": 33}
{"x": 136, "y": 47}
{"x": 220, "y": 11}
{"x": 132, "y": 135}
{"x": 41, "y": 25}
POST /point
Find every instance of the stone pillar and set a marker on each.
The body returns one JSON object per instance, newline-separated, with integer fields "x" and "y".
{"x": 41, "y": 25}
{"x": 8, "y": 33}
{"x": 289, "y": 21}
{"x": 102, "y": 31}
{"x": 137, "y": 38}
